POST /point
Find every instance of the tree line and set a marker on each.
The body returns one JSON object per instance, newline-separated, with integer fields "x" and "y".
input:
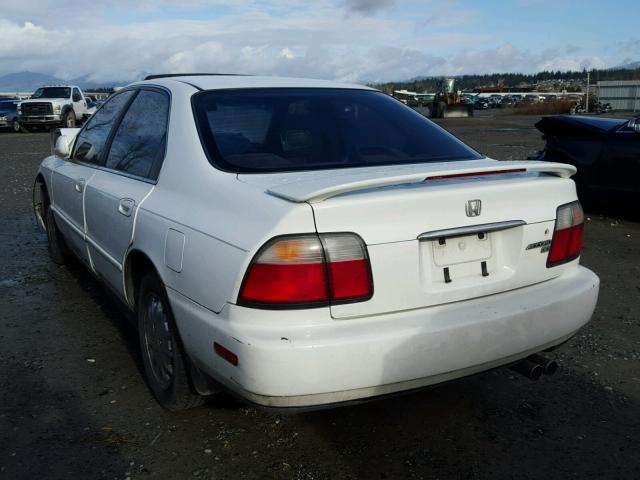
{"x": 510, "y": 80}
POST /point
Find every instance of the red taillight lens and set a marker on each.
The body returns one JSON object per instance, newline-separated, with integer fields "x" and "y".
{"x": 308, "y": 270}
{"x": 285, "y": 283}
{"x": 349, "y": 268}
{"x": 566, "y": 244}
{"x": 349, "y": 279}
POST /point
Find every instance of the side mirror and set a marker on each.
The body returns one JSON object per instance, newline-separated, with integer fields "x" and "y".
{"x": 76, "y": 98}
{"x": 61, "y": 148}
{"x": 634, "y": 124}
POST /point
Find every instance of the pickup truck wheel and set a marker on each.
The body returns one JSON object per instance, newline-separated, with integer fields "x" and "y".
{"x": 69, "y": 119}
{"x": 58, "y": 250}
{"x": 164, "y": 362}
{"x": 15, "y": 126}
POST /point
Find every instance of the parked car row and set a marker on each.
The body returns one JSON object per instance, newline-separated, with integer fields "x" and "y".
{"x": 502, "y": 101}
{"x": 50, "y": 106}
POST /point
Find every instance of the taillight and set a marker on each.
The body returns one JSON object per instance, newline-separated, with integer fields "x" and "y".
{"x": 349, "y": 268}
{"x": 308, "y": 271}
{"x": 566, "y": 244}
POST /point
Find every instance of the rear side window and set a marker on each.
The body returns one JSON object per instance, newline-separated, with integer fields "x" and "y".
{"x": 139, "y": 143}
{"x": 93, "y": 137}
{"x": 275, "y": 130}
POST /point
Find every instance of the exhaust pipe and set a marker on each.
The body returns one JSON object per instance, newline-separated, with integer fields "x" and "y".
{"x": 528, "y": 368}
{"x": 549, "y": 367}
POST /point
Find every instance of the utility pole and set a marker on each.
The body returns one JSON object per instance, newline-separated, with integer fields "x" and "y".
{"x": 586, "y": 102}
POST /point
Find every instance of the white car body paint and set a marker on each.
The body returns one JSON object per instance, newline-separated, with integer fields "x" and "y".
{"x": 415, "y": 330}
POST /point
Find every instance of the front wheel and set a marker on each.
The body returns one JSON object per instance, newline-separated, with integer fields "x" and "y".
{"x": 164, "y": 362}
{"x": 58, "y": 250}
{"x": 69, "y": 119}
{"x": 15, "y": 126}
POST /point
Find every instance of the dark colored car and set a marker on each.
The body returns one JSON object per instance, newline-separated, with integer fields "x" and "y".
{"x": 606, "y": 152}
{"x": 9, "y": 115}
{"x": 481, "y": 103}
{"x": 507, "y": 101}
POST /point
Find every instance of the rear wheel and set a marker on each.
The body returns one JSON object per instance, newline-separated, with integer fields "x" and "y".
{"x": 162, "y": 355}
{"x": 58, "y": 250}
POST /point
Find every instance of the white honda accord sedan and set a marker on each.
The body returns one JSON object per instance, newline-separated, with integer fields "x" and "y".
{"x": 304, "y": 243}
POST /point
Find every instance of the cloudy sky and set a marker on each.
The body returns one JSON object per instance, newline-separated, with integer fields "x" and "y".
{"x": 351, "y": 40}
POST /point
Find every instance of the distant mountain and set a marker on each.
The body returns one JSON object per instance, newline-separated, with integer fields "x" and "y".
{"x": 87, "y": 84}
{"x": 629, "y": 65}
{"x": 30, "y": 81}
{"x": 25, "y": 81}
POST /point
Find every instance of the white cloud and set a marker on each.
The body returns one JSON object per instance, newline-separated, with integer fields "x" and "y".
{"x": 286, "y": 37}
{"x": 286, "y": 53}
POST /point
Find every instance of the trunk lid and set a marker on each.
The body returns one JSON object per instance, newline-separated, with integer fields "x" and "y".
{"x": 440, "y": 240}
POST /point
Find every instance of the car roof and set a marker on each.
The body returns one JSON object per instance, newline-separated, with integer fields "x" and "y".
{"x": 215, "y": 82}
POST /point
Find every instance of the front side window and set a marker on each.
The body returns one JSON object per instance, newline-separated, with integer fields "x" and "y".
{"x": 93, "y": 137}
{"x": 139, "y": 143}
{"x": 277, "y": 130}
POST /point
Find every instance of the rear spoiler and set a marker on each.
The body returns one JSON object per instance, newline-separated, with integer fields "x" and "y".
{"x": 315, "y": 189}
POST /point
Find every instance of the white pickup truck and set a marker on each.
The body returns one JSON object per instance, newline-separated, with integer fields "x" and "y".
{"x": 53, "y": 105}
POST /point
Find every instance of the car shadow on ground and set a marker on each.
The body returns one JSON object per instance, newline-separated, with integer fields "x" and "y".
{"x": 46, "y": 428}
{"x": 124, "y": 321}
{"x": 479, "y": 427}
{"x": 117, "y": 313}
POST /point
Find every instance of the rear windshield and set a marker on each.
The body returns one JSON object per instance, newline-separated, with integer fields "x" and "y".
{"x": 10, "y": 106}
{"x": 277, "y": 130}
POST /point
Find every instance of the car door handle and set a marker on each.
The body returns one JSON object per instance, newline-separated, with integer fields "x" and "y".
{"x": 125, "y": 206}
{"x": 79, "y": 185}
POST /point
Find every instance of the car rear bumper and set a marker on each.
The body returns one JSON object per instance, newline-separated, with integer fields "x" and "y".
{"x": 304, "y": 358}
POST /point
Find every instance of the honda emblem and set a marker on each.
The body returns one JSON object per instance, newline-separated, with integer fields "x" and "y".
{"x": 473, "y": 208}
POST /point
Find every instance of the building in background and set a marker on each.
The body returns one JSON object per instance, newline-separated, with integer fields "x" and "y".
{"x": 621, "y": 94}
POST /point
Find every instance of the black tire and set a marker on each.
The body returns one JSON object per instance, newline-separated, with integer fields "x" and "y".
{"x": 164, "y": 362}
{"x": 69, "y": 119}
{"x": 58, "y": 250}
{"x": 15, "y": 127}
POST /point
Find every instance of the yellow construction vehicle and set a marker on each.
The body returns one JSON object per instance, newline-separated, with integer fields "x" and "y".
{"x": 448, "y": 103}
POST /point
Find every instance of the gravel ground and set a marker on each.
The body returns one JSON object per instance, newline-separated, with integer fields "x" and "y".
{"x": 74, "y": 403}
